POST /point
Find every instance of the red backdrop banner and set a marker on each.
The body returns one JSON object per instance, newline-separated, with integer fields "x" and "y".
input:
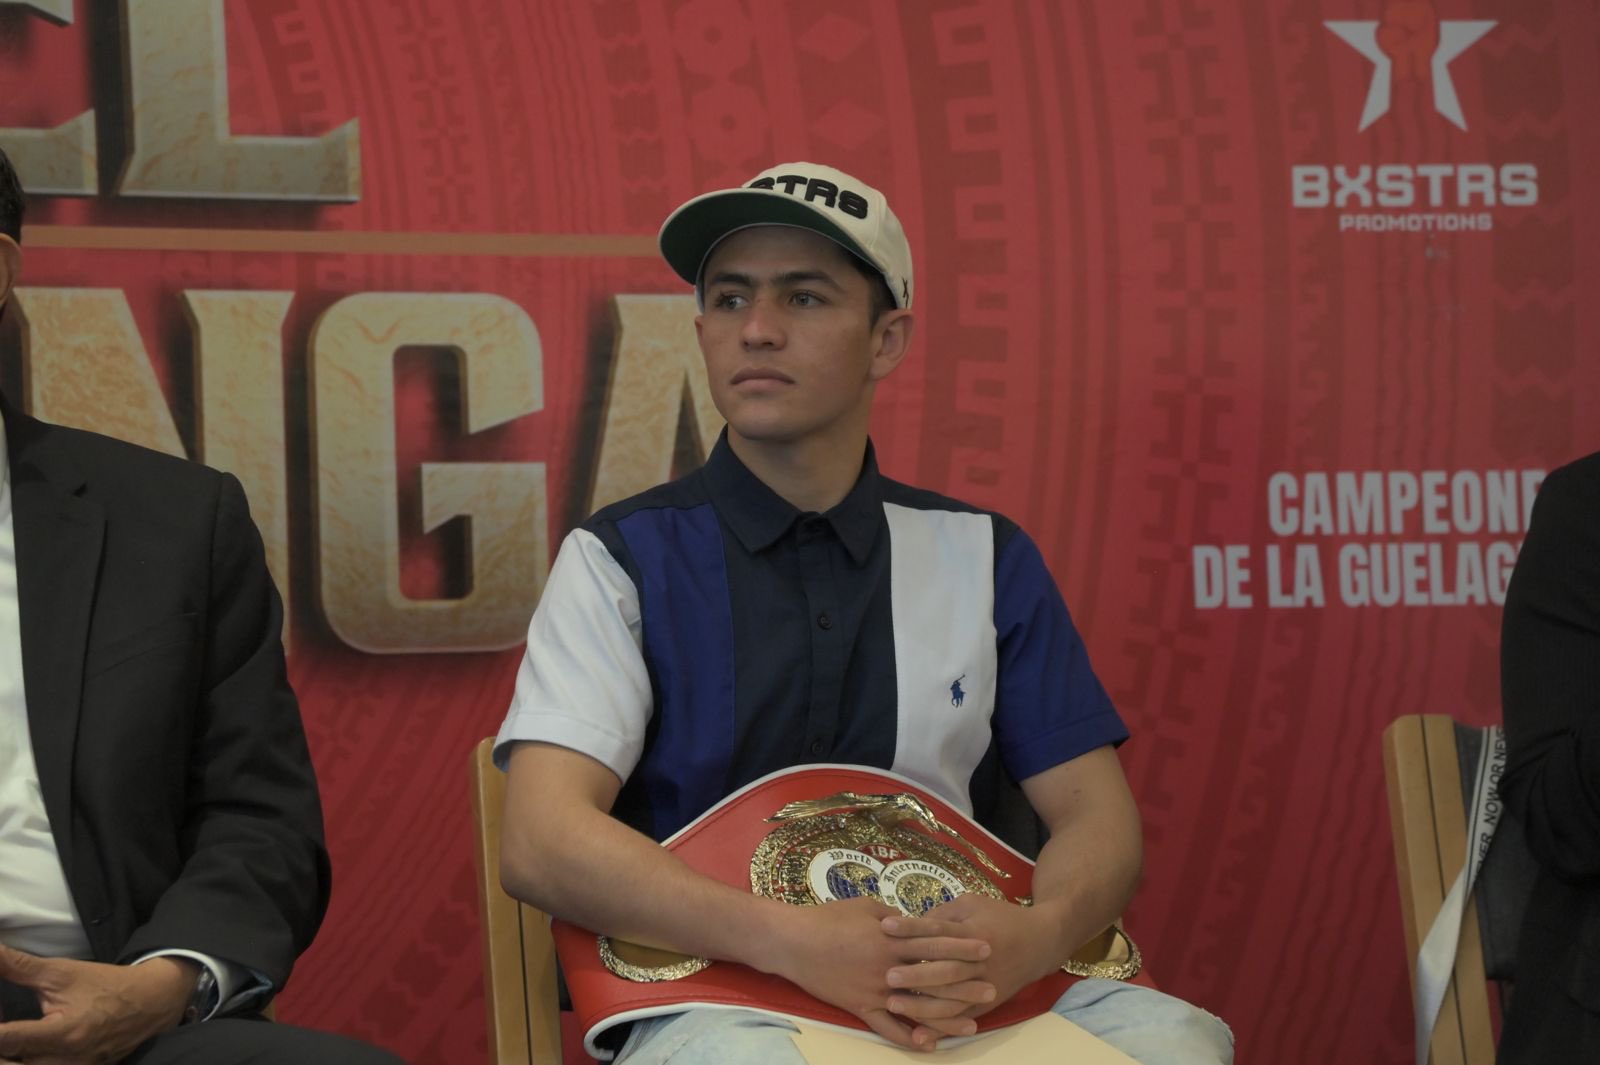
{"x": 1263, "y": 318}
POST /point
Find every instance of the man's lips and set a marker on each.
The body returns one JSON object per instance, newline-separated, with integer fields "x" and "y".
{"x": 761, "y": 374}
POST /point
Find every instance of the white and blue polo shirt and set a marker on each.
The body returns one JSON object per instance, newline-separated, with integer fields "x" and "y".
{"x": 705, "y": 633}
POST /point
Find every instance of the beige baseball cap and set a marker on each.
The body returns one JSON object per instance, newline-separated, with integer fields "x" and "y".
{"x": 851, "y": 213}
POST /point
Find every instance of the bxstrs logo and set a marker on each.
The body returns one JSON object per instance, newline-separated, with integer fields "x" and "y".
{"x": 1413, "y": 45}
{"x": 1411, "y": 41}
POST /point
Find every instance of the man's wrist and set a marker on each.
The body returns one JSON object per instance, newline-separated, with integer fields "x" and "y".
{"x": 1055, "y": 935}
{"x": 170, "y": 983}
{"x": 767, "y": 926}
{"x": 234, "y": 988}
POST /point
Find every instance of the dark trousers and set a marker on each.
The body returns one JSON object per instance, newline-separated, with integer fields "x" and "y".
{"x": 249, "y": 1039}
{"x": 254, "y": 1040}
{"x": 1545, "y": 1026}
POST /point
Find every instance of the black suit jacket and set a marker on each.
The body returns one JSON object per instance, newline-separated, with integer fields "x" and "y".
{"x": 1550, "y": 690}
{"x": 171, "y": 755}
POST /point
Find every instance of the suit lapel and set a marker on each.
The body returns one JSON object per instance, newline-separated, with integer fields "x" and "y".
{"x": 58, "y": 540}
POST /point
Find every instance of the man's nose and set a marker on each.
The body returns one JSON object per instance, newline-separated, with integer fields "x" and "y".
{"x": 763, "y": 325}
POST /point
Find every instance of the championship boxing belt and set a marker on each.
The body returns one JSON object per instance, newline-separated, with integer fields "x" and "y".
{"x": 805, "y": 836}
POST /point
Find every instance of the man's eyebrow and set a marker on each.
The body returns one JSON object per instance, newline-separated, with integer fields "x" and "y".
{"x": 729, "y": 277}
{"x": 801, "y": 277}
{"x": 790, "y": 277}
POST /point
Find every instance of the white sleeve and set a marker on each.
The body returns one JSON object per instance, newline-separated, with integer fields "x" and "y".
{"x": 583, "y": 683}
{"x": 236, "y": 985}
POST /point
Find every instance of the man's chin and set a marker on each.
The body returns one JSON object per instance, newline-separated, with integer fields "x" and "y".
{"x": 765, "y": 432}
{"x": 772, "y": 428}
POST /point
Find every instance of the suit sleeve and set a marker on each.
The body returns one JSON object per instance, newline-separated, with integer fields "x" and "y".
{"x": 1550, "y": 676}
{"x": 255, "y": 878}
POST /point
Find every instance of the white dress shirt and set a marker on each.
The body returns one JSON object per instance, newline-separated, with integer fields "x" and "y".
{"x": 36, "y": 910}
{"x": 37, "y": 913}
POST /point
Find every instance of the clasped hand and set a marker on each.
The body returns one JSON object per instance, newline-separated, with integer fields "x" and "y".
{"x": 93, "y": 1014}
{"x": 912, "y": 980}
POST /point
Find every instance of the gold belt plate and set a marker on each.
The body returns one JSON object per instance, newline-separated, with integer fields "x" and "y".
{"x": 866, "y": 846}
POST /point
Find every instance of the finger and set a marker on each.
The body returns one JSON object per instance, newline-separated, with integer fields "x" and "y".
{"x": 902, "y": 927}
{"x": 927, "y": 975}
{"x": 886, "y": 1025}
{"x": 942, "y": 948}
{"x": 960, "y": 908}
{"x": 877, "y": 907}
{"x": 981, "y": 1008}
{"x": 27, "y": 1038}
{"x": 926, "y": 1008}
{"x": 18, "y": 966}
{"x": 959, "y": 1025}
{"x": 933, "y": 1031}
{"x": 967, "y": 992}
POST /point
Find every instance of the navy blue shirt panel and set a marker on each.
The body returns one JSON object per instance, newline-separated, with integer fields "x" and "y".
{"x": 688, "y": 631}
{"x": 1038, "y": 642}
{"x": 812, "y": 639}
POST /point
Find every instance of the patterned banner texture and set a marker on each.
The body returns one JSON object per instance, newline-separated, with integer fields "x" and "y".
{"x": 1263, "y": 317}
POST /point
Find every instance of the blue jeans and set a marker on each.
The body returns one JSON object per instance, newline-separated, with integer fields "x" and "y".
{"x": 1150, "y": 1027}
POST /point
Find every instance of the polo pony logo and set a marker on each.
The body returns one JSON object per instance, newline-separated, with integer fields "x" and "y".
{"x": 957, "y": 696}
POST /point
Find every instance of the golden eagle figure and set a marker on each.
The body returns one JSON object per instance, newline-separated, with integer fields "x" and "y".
{"x": 886, "y": 811}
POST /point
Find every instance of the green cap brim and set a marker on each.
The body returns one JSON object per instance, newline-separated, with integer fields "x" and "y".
{"x": 690, "y": 233}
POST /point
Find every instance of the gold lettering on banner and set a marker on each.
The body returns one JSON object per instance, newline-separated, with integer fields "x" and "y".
{"x": 501, "y": 364}
{"x": 182, "y": 143}
{"x": 657, "y": 361}
{"x": 510, "y": 546}
{"x": 59, "y": 161}
{"x": 57, "y": 11}
{"x": 86, "y": 366}
{"x": 238, "y": 366}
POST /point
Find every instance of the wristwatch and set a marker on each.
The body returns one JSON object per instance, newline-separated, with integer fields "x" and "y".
{"x": 203, "y": 999}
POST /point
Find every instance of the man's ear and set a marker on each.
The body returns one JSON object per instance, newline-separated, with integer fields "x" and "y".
{"x": 894, "y": 340}
{"x": 10, "y": 263}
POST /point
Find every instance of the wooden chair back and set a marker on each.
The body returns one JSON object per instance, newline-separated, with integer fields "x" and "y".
{"x": 1428, "y": 819}
{"x": 519, "y": 957}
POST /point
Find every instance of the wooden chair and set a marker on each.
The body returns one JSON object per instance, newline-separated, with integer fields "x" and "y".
{"x": 519, "y": 958}
{"x": 1428, "y": 760}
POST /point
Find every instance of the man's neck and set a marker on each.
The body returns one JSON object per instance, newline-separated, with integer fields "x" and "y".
{"x": 813, "y": 475}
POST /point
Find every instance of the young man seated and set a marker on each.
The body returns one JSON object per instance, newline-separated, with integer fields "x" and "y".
{"x": 787, "y": 604}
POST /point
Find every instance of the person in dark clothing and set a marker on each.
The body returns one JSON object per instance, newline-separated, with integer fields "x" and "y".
{"x": 1550, "y": 690}
{"x": 161, "y": 845}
